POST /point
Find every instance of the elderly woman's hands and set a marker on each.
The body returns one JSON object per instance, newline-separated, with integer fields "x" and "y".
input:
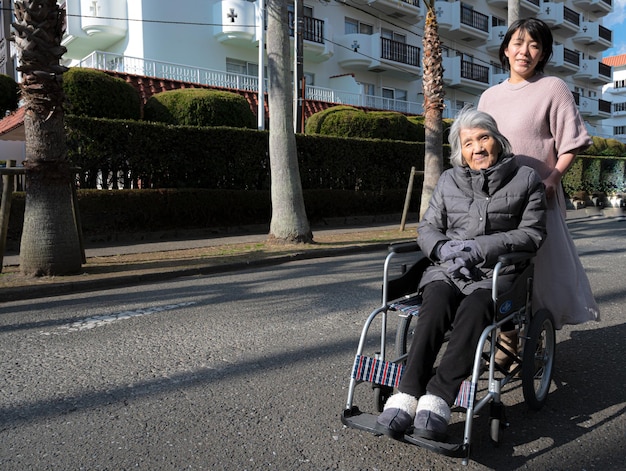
{"x": 465, "y": 254}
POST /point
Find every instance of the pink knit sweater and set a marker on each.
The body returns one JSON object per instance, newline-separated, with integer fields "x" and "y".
{"x": 540, "y": 119}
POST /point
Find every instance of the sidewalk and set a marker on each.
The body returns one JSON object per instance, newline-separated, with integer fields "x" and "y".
{"x": 111, "y": 265}
{"x": 129, "y": 262}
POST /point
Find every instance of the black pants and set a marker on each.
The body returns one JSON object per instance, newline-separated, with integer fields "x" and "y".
{"x": 445, "y": 307}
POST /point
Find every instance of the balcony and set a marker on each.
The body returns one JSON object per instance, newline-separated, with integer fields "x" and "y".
{"x": 377, "y": 54}
{"x": 564, "y": 60}
{"x": 594, "y": 107}
{"x": 314, "y": 31}
{"x": 465, "y": 75}
{"x": 526, "y": 6}
{"x": 237, "y": 22}
{"x": 617, "y": 89}
{"x": 595, "y": 36}
{"x": 99, "y": 26}
{"x": 240, "y": 26}
{"x": 459, "y": 22}
{"x": 597, "y": 7}
{"x": 406, "y": 10}
{"x": 594, "y": 72}
{"x": 495, "y": 38}
{"x": 559, "y": 17}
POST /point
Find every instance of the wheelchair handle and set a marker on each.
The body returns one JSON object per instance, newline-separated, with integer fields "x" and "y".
{"x": 514, "y": 257}
{"x": 404, "y": 247}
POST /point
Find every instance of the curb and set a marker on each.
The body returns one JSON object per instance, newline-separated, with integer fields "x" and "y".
{"x": 70, "y": 287}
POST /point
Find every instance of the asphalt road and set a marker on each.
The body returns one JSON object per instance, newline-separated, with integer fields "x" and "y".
{"x": 249, "y": 371}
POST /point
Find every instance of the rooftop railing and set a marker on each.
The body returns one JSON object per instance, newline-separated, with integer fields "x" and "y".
{"x": 134, "y": 65}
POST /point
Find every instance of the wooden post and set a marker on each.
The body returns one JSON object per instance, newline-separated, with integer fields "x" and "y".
{"x": 5, "y": 209}
{"x": 77, "y": 221}
{"x": 407, "y": 200}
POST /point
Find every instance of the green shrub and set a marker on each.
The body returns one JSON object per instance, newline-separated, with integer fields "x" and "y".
{"x": 347, "y": 121}
{"x": 572, "y": 180}
{"x": 98, "y": 95}
{"x": 9, "y": 91}
{"x": 200, "y": 107}
{"x": 591, "y": 175}
{"x": 612, "y": 175}
{"x": 351, "y": 122}
{"x": 315, "y": 122}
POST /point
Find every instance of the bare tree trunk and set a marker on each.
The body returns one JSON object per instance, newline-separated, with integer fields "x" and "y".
{"x": 433, "y": 106}
{"x": 50, "y": 243}
{"x": 513, "y": 11}
{"x": 289, "y": 221}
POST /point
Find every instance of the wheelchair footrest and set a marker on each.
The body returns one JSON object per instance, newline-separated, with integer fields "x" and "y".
{"x": 356, "y": 419}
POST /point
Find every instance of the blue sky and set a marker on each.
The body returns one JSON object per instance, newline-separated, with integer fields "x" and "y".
{"x": 616, "y": 21}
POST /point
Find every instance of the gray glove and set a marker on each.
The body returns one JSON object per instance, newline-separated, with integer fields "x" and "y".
{"x": 465, "y": 254}
{"x": 449, "y": 249}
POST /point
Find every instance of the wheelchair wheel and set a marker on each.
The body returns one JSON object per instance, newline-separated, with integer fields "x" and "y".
{"x": 538, "y": 359}
{"x": 404, "y": 336}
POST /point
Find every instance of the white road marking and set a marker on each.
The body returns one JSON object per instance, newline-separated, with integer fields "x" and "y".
{"x": 99, "y": 321}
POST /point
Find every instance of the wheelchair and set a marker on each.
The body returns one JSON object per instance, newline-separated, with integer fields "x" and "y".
{"x": 532, "y": 365}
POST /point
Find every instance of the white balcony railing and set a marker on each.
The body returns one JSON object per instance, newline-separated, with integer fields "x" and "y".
{"x": 215, "y": 78}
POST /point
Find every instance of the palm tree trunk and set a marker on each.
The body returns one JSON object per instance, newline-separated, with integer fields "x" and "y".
{"x": 433, "y": 106}
{"x": 50, "y": 243}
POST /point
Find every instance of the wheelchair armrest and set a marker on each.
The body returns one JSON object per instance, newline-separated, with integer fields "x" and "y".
{"x": 514, "y": 258}
{"x": 404, "y": 247}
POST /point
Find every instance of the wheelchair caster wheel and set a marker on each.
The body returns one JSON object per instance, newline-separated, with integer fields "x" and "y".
{"x": 381, "y": 394}
{"x": 494, "y": 431}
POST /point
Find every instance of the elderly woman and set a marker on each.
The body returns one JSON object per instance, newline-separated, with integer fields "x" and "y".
{"x": 483, "y": 207}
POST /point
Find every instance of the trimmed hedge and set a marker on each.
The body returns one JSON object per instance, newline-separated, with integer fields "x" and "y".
{"x": 596, "y": 174}
{"x": 96, "y": 94}
{"x": 106, "y": 215}
{"x": 200, "y": 107}
{"x": 161, "y": 156}
{"x": 347, "y": 121}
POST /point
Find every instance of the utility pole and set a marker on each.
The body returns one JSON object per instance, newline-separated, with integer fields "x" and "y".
{"x": 298, "y": 71}
{"x": 261, "y": 86}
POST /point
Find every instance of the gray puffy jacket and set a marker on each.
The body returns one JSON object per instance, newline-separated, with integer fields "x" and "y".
{"x": 502, "y": 208}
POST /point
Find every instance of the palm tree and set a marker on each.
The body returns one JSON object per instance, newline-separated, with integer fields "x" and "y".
{"x": 50, "y": 243}
{"x": 289, "y": 221}
{"x": 432, "y": 84}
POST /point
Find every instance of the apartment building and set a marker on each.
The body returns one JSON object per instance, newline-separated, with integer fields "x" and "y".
{"x": 360, "y": 52}
{"x": 615, "y": 93}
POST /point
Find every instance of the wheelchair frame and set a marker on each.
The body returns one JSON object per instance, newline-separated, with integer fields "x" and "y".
{"x": 534, "y": 364}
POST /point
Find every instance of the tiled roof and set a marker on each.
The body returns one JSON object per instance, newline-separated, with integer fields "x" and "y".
{"x": 12, "y": 126}
{"x": 615, "y": 61}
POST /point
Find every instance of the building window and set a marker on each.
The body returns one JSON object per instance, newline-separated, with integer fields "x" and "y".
{"x": 388, "y": 34}
{"x": 496, "y": 68}
{"x": 353, "y": 26}
{"x": 619, "y": 107}
{"x": 495, "y": 21}
{"x": 619, "y": 84}
{"x": 619, "y": 130}
{"x": 236, "y": 66}
{"x": 368, "y": 89}
{"x": 388, "y": 93}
